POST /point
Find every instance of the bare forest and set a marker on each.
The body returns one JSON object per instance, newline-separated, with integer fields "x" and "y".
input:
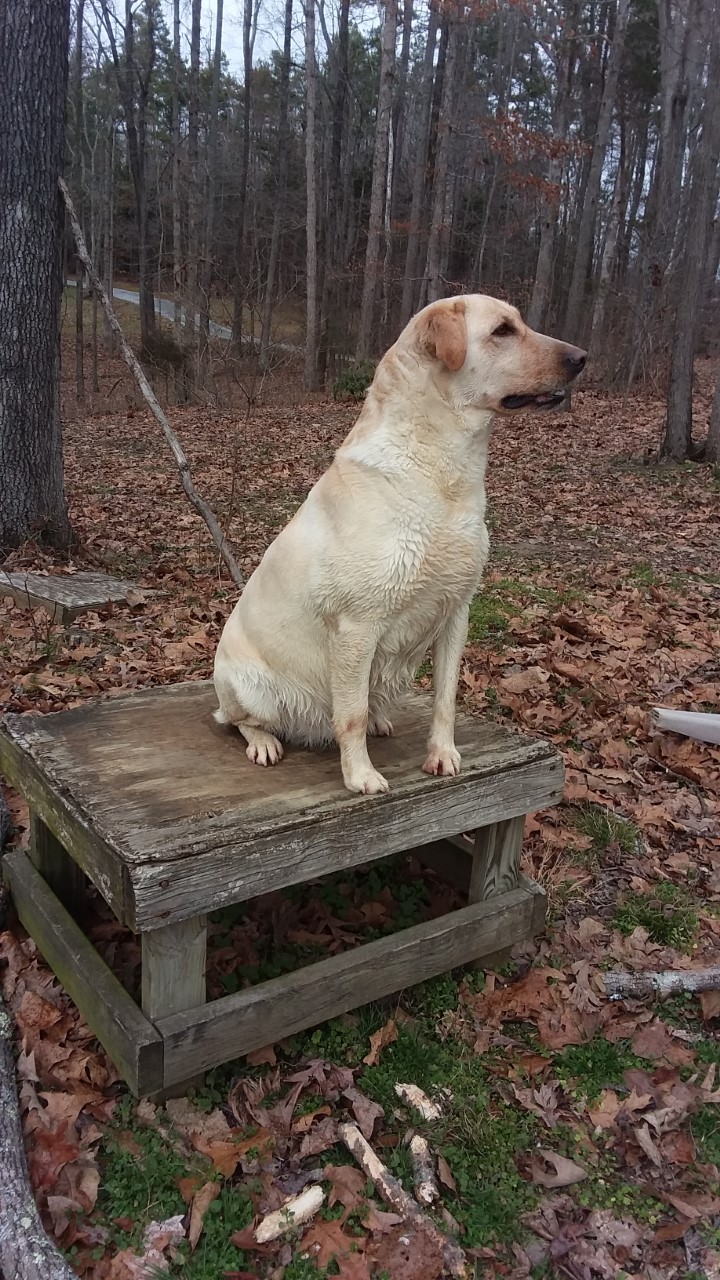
{"x": 349, "y": 163}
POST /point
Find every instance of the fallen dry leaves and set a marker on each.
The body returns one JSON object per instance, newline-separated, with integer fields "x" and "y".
{"x": 605, "y": 570}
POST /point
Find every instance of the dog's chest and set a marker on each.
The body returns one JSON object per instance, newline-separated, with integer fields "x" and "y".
{"x": 435, "y": 559}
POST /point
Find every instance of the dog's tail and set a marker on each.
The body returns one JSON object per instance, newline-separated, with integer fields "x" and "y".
{"x": 221, "y": 716}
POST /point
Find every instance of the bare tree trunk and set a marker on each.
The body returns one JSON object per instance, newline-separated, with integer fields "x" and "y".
{"x": 607, "y": 265}
{"x": 712, "y": 446}
{"x": 33, "y": 87}
{"x": 212, "y": 164}
{"x": 330, "y": 302}
{"x": 377, "y": 192}
{"x": 127, "y": 72}
{"x": 283, "y": 133}
{"x": 677, "y": 443}
{"x": 79, "y": 291}
{"x": 311, "y": 281}
{"x": 418, "y": 190}
{"x": 433, "y": 269}
{"x": 240, "y": 282}
{"x": 109, "y": 230}
{"x": 194, "y": 216}
{"x": 176, "y": 212}
{"x": 574, "y": 327}
{"x": 26, "y": 1252}
{"x": 542, "y": 287}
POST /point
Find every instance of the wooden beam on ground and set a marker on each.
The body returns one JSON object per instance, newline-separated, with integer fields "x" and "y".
{"x": 126, "y": 1033}
{"x": 236, "y": 1024}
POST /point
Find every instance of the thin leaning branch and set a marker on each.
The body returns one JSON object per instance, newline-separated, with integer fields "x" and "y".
{"x": 178, "y": 452}
{"x": 26, "y": 1252}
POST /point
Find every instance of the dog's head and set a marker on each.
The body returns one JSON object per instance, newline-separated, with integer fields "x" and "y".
{"x": 485, "y": 357}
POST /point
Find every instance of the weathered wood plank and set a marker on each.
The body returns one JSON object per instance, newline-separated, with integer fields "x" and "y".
{"x": 173, "y": 968}
{"x": 49, "y": 799}
{"x": 233, "y": 872}
{"x": 64, "y": 596}
{"x": 183, "y": 823}
{"x": 57, "y": 868}
{"x": 496, "y": 859}
{"x": 201, "y": 1038}
{"x": 129, "y": 1038}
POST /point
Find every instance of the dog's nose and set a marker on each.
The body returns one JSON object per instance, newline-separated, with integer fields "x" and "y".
{"x": 575, "y": 359}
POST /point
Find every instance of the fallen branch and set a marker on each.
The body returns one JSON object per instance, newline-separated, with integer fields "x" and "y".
{"x": 418, "y": 1100}
{"x": 637, "y": 986}
{"x": 426, "y": 1187}
{"x": 396, "y": 1196}
{"x": 178, "y": 452}
{"x": 292, "y": 1214}
{"x": 26, "y": 1252}
{"x": 701, "y": 725}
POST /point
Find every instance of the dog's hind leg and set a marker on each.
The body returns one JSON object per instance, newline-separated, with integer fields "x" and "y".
{"x": 262, "y": 745}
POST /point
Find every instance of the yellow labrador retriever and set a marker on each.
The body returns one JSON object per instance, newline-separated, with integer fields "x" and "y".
{"x": 381, "y": 561}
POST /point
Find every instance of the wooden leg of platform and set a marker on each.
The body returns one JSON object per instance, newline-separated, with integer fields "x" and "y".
{"x": 173, "y": 975}
{"x": 496, "y": 859}
{"x": 52, "y": 860}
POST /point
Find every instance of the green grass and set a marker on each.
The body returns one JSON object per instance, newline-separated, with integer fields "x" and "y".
{"x": 498, "y": 601}
{"x": 705, "y": 1129}
{"x": 606, "y": 829}
{"x": 480, "y": 1137}
{"x": 666, "y": 912}
{"x": 586, "y": 1069}
{"x": 140, "y": 1172}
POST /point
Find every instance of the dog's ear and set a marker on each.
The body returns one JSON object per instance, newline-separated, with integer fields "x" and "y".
{"x": 447, "y": 333}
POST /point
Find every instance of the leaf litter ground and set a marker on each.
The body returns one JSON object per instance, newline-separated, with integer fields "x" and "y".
{"x": 577, "y": 1137}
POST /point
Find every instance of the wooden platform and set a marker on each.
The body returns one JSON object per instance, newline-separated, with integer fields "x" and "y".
{"x": 64, "y": 596}
{"x": 161, "y": 809}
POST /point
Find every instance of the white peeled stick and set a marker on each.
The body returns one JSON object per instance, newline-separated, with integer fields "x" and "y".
{"x": 701, "y": 725}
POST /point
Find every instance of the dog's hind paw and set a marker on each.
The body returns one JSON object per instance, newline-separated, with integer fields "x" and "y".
{"x": 379, "y": 727}
{"x": 264, "y": 749}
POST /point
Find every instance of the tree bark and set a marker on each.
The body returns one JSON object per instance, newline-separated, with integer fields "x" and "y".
{"x": 311, "y": 254}
{"x": 26, "y": 1252}
{"x": 383, "y": 125}
{"x": 240, "y": 284}
{"x": 438, "y": 229}
{"x": 78, "y": 122}
{"x": 542, "y": 286}
{"x": 712, "y": 446}
{"x": 282, "y": 180}
{"x": 330, "y": 301}
{"x": 677, "y": 442}
{"x": 210, "y": 190}
{"x": 194, "y": 216}
{"x": 175, "y": 180}
{"x": 127, "y": 71}
{"x": 33, "y": 86}
{"x": 424, "y": 109}
{"x": 576, "y": 308}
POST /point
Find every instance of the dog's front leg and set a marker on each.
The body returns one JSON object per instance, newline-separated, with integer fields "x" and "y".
{"x": 352, "y": 647}
{"x": 443, "y": 756}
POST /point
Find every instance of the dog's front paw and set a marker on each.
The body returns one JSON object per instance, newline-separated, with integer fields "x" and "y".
{"x": 366, "y": 781}
{"x": 379, "y": 727}
{"x": 444, "y": 761}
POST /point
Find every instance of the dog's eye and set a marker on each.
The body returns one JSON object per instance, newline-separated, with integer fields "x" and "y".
{"x": 504, "y": 330}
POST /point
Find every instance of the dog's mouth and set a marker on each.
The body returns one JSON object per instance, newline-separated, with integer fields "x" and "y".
{"x": 545, "y": 400}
